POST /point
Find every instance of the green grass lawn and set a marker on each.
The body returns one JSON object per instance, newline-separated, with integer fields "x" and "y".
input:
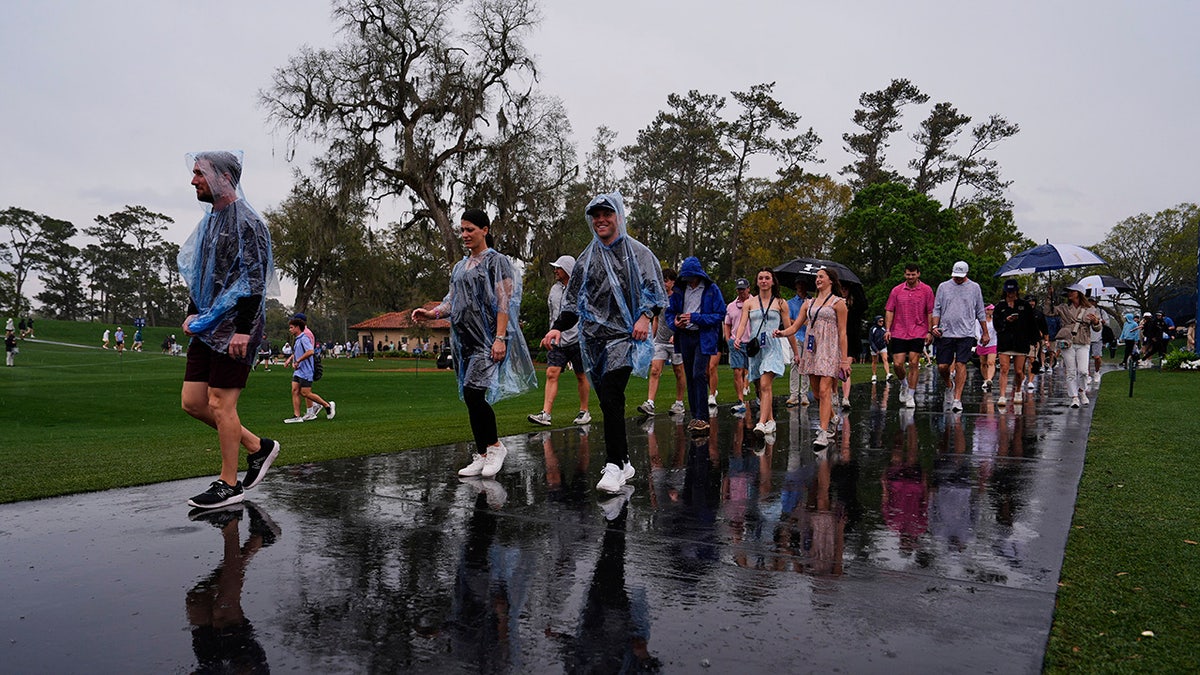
{"x": 78, "y": 418}
{"x": 1129, "y": 596}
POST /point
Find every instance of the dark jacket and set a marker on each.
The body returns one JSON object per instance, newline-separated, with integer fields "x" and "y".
{"x": 712, "y": 306}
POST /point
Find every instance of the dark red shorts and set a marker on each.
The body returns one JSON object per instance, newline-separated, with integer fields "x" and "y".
{"x": 213, "y": 368}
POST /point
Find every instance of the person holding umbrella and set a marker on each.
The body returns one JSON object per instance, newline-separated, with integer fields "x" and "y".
{"x": 1077, "y": 316}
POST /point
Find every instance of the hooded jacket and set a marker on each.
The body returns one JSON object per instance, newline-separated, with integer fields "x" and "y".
{"x": 712, "y": 306}
{"x": 1131, "y": 330}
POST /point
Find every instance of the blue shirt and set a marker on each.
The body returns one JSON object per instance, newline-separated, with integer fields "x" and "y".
{"x": 794, "y": 307}
{"x": 304, "y": 369}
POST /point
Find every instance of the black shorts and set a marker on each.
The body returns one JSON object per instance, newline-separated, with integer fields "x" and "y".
{"x": 304, "y": 384}
{"x": 914, "y": 346}
{"x": 953, "y": 350}
{"x": 561, "y": 355}
{"x": 213, "y": 368}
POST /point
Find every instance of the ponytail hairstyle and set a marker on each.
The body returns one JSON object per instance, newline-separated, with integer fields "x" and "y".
{"x": 479, "y": 218}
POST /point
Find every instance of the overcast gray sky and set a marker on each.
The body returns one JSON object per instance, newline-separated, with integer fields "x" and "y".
{"x": 100, "y": 101}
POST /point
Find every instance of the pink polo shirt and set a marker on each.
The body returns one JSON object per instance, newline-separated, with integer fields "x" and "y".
{"x": 733, "y": 314}
{"x": 910, "y": 308}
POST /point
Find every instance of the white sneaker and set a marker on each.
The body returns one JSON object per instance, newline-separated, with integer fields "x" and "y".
{"x": 911, "y": 401}
{"x": 475, "y": 468}
{"x": 542, "y": 418}
{"x": 891, "y": 376}
{"x": 1074, "y": 401}
{"x": 313, "y": 409}
{"x": 493, "y": 460}
{"x": 874, "y": 379}
{"x": 956, "y": 406}
{"x": 646, "y": 408}
{"x": 845, "y": 403}
{"x": 310, "y": 415}
{"x": 1083, "y": 398}
{"x": 712, "y": 400}
{"x": 1003, "y": 402}
{"x": 610, "y": 479}
{"x": 677, "y": 408}
{"x": 745, "y": 391}
{"x": 769, "y": 426}
{"x": 332, "y": 411}
{"x": 294, "y": 420}
{"x": 612, "y": 506}
{"x": 1029, "y": 385}
{"x": 584, "y": 417}
{"x": 822, "y": 439}
{"x": 627, "y": 472}
{"x": 804, "y": 402}
{"x": 949, "y": 399}
{"x": 1018, "y": 398}
{"x": 760, "y": 429}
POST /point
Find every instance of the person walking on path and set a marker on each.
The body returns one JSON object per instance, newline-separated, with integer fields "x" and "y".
{"x": 120, "y": 338}
{"x": 10, "y": 347}
{"x": 907, "y": 324}
{"x": 764, "y": 316}
{"x": 695, "y": 313}
{"x": 987, "y": 353}
{"x": 490, "y": 356}
{"x": 566, "y": 352}
{"x": 738, "y": 361}
{"x": 664, "y": 351}
{"x": 798, "y": 386}
{"x": 1076, "y": 318}
{"x": 957, "y": 308}
{"x": 616, "y": 290}
{"x": 879, "y": 352}
{"x": 827, "y": 347}
{"x": 103, "y": 339}
{"x": 303, "y": 363}
{"x": 1017, "y": 332}
{"x": 229, "y": 271}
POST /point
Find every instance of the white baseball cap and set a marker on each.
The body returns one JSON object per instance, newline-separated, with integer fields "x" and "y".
{"x": 565, "y": 263}
{"x": 960, "y": 269}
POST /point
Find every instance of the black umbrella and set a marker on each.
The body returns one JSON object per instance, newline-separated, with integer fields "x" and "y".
{"x": 806, "y": 269}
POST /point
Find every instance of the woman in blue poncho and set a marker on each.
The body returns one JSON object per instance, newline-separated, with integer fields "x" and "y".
{"x": 490, "y": 355}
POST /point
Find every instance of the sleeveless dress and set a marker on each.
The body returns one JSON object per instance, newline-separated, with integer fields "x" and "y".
{"x": 770, "y": 358}
{"x": 822, "y": 324}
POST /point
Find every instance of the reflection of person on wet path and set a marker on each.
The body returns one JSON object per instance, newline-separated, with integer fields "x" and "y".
{"x": 614, "y": 627}
{"x": 490, "y": 356}
{"x": 951, "y": 506}
{"x": 904, "y": 498}
{"x": 616, "y": 289}
{"x": 489, "y": 595}
{"x": 695, "y": 312}
{"x": 747, "y": 477}
{"x": 222, "y": 637}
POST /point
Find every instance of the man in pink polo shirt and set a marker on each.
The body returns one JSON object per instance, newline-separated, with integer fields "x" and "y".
{"x": 737, "y": 354}
{"x": 908, "y": 316}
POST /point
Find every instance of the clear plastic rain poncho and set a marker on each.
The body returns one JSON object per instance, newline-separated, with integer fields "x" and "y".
{"x": 226, "y": 262}
{"x": 612, "y": 286}
{"x": 481, "y": 287}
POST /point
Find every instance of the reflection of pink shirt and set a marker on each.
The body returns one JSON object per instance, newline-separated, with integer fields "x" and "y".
{"x": 910, "y": 308}
{"x": 733, "y": 314}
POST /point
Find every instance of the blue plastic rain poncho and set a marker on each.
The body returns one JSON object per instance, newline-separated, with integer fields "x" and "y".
{"x": 611, "y": 288}
{"x": 1131, "y": 330}
{"x": 480, "y": 288}
{"x": 227, "y": 262}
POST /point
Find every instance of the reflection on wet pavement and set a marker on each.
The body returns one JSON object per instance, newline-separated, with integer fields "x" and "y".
{"x": 919, "y": 539}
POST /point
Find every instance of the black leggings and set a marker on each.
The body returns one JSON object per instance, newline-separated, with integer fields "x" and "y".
{"x": 483, "y": 419}
{"x": 610, "y": 389}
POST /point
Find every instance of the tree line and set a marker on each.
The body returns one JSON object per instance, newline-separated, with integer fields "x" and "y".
{"x": 433, "y": 105}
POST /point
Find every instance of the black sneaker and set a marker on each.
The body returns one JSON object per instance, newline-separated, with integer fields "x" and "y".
{"x": 217, "y": 495}
{"x": 218, "y": 517}
{"x": 261, "y": 524}
{"x": 257, "y": 463}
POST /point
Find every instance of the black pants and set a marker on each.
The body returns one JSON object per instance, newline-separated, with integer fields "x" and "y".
{"x": 695, "y": 367}
{"x": 483, "y": 419}
{"x": 610, "y": 389}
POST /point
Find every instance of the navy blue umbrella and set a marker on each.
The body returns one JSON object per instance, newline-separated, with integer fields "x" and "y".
{"x": 1048, "y": 257}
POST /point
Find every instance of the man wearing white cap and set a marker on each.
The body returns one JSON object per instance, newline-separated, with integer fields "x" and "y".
{"x": 957, "y": 307}
{"x": 566, "y": 351}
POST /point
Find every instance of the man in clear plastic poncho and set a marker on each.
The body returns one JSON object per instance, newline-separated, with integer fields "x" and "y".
{"x": 614, "y": 292}
{"x": 228, "y": 268}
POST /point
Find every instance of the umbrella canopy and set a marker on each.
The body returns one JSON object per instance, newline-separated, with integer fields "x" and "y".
{"x": 807, "y": 268}
{"x": 1048, "y": 257}
{"x": 1103, "y": 286}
